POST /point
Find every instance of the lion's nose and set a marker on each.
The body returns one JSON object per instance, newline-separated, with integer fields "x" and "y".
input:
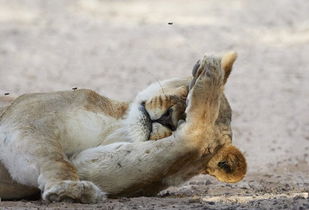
{"x": 167, "y": 123}
{"x": 166, "y": 120}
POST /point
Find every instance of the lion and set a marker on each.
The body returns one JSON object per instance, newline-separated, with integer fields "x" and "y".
{"x": 80, "y": 146}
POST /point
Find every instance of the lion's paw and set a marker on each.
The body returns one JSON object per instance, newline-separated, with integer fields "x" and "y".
{"x": 73, "y": 191}
{"x": 206, "y": 89}
{"x": 210, "y": 76}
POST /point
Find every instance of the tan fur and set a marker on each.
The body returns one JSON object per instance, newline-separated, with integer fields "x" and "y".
{"x": 98, "y": 103}
{"x": 50, "y": 133}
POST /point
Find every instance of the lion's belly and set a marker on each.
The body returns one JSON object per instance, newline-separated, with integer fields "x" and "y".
{"x": 84, "y": 129}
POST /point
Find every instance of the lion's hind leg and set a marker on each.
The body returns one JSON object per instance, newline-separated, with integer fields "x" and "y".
{"x": 37, "y": 160}
{"x": 61, "y": 183}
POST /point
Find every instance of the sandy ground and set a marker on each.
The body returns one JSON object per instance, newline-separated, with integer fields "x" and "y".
{"x": 119, "y": 47}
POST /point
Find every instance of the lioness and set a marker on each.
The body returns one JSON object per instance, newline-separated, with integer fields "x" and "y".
{"x": 75, "y": 145}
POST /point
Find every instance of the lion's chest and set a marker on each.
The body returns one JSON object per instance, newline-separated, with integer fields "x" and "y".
{"x": 83, "y": 129}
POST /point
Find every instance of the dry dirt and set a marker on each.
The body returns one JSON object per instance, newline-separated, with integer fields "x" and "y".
{"x": 118, "y": 47}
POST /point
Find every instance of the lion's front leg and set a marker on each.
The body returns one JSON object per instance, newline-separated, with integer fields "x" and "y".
{"x": 203, "y": 103}
{"x": 207, "y": 88}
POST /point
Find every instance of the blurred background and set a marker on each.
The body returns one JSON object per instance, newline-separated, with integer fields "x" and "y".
{"x": 118, "y": 47}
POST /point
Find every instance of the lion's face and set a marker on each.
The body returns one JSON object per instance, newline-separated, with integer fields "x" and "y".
{"x": 155, "y": 112}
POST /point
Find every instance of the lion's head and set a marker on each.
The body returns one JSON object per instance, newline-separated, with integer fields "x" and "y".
{"x": 155, "y": 112}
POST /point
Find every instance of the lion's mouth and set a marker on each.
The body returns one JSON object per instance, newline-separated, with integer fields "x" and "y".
{"x": 147, "y": 122}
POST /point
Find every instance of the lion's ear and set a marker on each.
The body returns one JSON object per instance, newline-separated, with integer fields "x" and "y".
{"x": 227, "y": 62}
{"x": 228, "y": 165}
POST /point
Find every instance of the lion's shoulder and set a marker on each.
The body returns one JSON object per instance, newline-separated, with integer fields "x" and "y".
{"x": 92, "y": 101}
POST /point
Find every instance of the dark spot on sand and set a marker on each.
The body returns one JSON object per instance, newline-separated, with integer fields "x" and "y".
{"x": 5, "y": 139}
